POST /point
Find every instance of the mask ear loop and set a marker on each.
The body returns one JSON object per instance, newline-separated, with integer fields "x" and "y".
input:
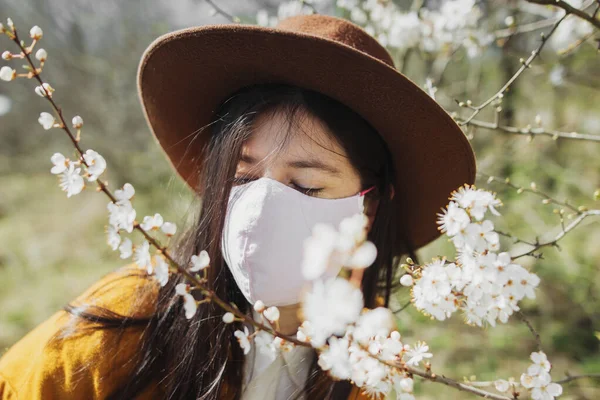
{"x": 361, "y": 198}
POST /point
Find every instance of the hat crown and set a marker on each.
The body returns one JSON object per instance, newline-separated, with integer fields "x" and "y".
{"x": 339, "y": 30}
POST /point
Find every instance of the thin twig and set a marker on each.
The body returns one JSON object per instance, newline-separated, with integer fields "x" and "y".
{"x": 533, "y": 131}
{"x": 575, "y": 377}
{"x": 524, "y": 65}
{"x": 536, "y": 335}
{"x": 222, "y": 12}
{"x": 561, "y": 234}
{"x": 569, "y": 10}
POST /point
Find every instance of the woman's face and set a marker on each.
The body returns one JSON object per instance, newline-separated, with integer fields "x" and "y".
{"x": 311, "y": 162}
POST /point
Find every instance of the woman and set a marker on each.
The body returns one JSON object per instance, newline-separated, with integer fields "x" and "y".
{"x": 288, "y": 125}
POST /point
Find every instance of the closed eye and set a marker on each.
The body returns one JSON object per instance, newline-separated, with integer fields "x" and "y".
{"x": 306, "y": 191}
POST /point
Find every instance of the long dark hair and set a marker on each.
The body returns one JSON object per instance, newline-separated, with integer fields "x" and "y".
{"x": 194, "y": 358}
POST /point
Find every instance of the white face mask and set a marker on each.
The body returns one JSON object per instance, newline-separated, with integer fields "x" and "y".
{"x": 265, "y": 227}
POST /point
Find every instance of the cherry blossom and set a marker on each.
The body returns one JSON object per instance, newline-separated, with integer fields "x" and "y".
{"x": 272, "y": 314}
{"x": 169, "y": 228}
{"x": 41, "y": 55}
{"x": 126, "y": 248}
{"x": 36, "y": 32}
{"x": 330, "y": 306}
{"x": 96, "y": 164}
{"x": 152, "y": 222}
{"x": 46, "y": 120}
{"x": 142, "y": 257}
{"x": 200, "y": 261}
{"x": 71, "y": 181}
{"x": 243, "y": 339}
{"x": 189, "y": 303}
{"x": 161, "y": 269}
{"x": 112, "y": 237}
{"x": 7, "y": 73}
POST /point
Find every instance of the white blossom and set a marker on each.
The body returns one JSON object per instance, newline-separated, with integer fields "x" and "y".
{"x": 36, "y": 32}
{"x": 336, "y": 358}
{"x": 363, "y": 256}
{"x": 407, "y": 280}
{"x": 142, "y": 257}
{"x": 113, "y": 238}
{"x": 243, "y": 339}
{"x": 200, "y": 261}
{"x": 259, "y": 306}
{"x": 272, "y": 314}
{"x": 502, "y": 386}
{"x": 126, "y": 193}
{"x": 318, "y": 250}
{"x": 7, "y": 55}
{"x": 189, "y": 303}
{"x": 77, "y": 122}
{"x": 39, "y": 90}
{"x": 152, "y": 222}
{"x": 379, "y": 321}
{"x": 330, "y": 306}
{"x": 121, "y": 214}
{"x": 453, "y": 219}
{"x": 264, "y": 342}
{"x": 169, "y": 228}
{"x": 96, "y": 164}
{"x": 161, "y": 270}
{"x": 126, "y": 248}
{"x": 71, "y": 181}
{"x": 417, "y": 354}
{"x": 228, "y": 317}
{"x": 41, "y": 55}
{"x": 7, "y": 73}
{"x": 60, "y": 163}
{"x": 46, "y": 120}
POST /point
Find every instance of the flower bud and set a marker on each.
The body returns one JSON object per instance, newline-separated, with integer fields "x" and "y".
{"x": 10, "y": 23}
{"x": 7, "y": 74}
{"x": 169, "y": 228}
{"x": 259, "y": 306}
{"x": 272, "y": 314}
{"x": 407, "y": 280}
{"x": 36, "y": 33}
{"x": 406, "y": 385}
{"x": 39, "y": 90}
{"x": 7, "y": 55}
{"x": 77, "y": 122}
{"x": 228, "y": 318}
{"x": 41, "y": 55}
{"x": 46, "y": 120}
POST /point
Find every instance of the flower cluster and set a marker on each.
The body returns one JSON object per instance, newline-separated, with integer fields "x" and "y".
{"x": 451, "y": 25}
{"x": 536, "y": 380}
{"x": 370, "y": 353}
{"x": 331, "y": 249}
{"x": 484, "y": 284}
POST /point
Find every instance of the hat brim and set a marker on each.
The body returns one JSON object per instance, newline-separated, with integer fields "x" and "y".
{"x": 184, "y": 76}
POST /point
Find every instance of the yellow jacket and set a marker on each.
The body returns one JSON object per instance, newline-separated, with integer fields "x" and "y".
{"x": 39, "y": 367}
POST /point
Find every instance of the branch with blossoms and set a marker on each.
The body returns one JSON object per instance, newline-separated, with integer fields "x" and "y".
{"x": 569, "y": 9}
{"x": 577, "y": 214}
{"x": 353, "y": 343}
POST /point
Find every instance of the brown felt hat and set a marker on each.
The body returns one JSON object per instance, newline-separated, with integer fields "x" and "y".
{"x": 184, "y": 76}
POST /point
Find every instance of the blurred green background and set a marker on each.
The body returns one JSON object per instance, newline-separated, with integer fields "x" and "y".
{"x": 54, "y": 247}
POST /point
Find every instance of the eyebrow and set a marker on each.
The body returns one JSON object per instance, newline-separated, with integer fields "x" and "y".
{"x": 310, "y": 163}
